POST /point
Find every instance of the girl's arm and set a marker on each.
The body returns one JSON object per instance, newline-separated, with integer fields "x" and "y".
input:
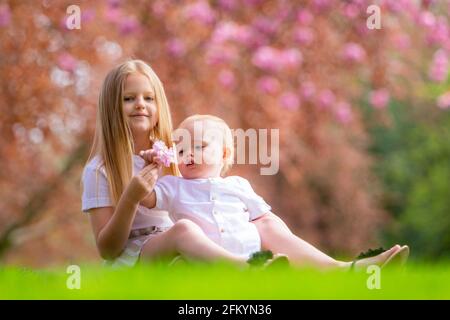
{"x": 112, "y": 225}
{"x": 149, "y": 201}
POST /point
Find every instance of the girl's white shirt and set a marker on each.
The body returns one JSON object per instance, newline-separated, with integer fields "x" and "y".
{"x": 222, "y": 207}
{"x": 96, "y": 195}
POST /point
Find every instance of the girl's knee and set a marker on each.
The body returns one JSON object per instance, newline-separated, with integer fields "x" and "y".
{"x": 185, "y": 227}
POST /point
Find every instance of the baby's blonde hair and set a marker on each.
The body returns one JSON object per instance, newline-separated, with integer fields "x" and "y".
{"x": 113, "y": 140}
{"x": 227, "y": 136}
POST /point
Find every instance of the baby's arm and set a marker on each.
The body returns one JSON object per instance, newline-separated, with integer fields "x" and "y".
{"x": 162, "y": 194}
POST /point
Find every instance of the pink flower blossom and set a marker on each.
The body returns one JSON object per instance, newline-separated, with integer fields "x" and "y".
{"x": 67, "y": 62}
{"x": 271, "y": 59}
{"x": 113, "y": 14}
{"x": 87, "y": 15}
{"x": 379, "y": 99}
{"x": 353, "y": 52}
{"x": 289, "y": 100}
{"x": 443, "y": 101}
{"x": 290, "y": 58}
{"x": 200, "y": 11}
{"x": 221, "y": 54}
{"x": 252, "y": 2}
{"x": 230, "y": 31}
{"x": 427, "y": 19}
{"x": 305, "y": 17}
{"x": 266, "y": 25}
{"x": 439, "y": 66}
{"x": 227, "y": 78}
{"x": 5, "y": 15}
{"x": 402, "y": 41}
{"x": 167, "y": 155}
{"x": 176, "y": 47}
{"x": 307, "y": 90}
{"x": 326, "y": 98}
{"x": 351, "y": 11}
{"x": 159, "y": 8}
{"x": 267, "y": 58}
{"x": 268, "y": 85}
{"x": 321, "y": 5}
{"x": 129, "y": 25}
{"x": 303, "y": 35}
{"x": 228, "y": 4}
{"x": 113, "y": 3}
{"x": 440, "y": 33}
{"x": 343, "y": 112}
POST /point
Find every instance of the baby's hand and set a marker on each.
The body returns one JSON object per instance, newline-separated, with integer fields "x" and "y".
{"x": 159, "y": 154}
{"x": 148, "y": 155}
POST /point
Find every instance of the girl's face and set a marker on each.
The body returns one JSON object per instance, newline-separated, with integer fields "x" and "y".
{"x": 139, "y": 104}
{"x": 200, "y": 154}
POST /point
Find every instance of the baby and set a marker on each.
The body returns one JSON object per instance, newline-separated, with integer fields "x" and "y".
{"x": 222, "y": 207}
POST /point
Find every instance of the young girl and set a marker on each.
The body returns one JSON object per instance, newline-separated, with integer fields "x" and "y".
{"x": 222, "y": 207}
{"x": 132, "y": 113}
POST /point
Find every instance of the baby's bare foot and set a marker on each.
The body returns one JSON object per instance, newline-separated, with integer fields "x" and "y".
{"x": 378, "y": 260}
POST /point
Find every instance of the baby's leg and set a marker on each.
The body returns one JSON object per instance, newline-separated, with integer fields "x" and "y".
{"x": 277, "y": 237}
{"x": 188, "y": 239}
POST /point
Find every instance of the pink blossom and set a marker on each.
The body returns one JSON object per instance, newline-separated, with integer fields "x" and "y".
{"x": 67, "y": 62}
{"x": 379, "y": 99}
{"x": 5, "y": 15}
{"x": 267, "y": 58}
{"x": 439, "y": 66}
{"x": 159, "y": 8}
{"x": 427, "y": 19}
{"x": 343, "y": 112}
{"x": 268, "y": 85}
{"x": 290, "y": 58}
{"x": 113, "y": 14}
{"x": 353, "y": 52}
{"x": 443, "y": 101}
{"x": 427, "y": 3}
{"x": 87, "y": 15}
{"x": 440, "y": 33}
{"x": 307, "y": 90}
{"x": 402, "y": 41}
{"x": 303, "y": 35}
{"x": 176, "y": 47}
{"x": 321, "y": 5}
{"x": 167, "y": 155}
{"x": 252, "y": 2}
{"x": 351, "y": 11}
{"x": 129, "y": 25}
{"x": 289, "y": 100}
{"x": 227, "y": 78}
{"x": 227, "y": 4}
{"x": 396, "y": 6}
{"x": 200, "y": 11}
{"x": 305, "y": 17}
{"x": 114, "y": 3}
{"x": 226, "y": 31}
{"x": 266, "y": 25}
{"x": 221, "y": 54}
{"x": 326, "y": 98}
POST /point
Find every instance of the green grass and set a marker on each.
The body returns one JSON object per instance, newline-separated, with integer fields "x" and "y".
{"x": 222, "y": 281}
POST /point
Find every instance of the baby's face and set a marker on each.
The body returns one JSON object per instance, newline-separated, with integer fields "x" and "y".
{"x": 200, "y": 150}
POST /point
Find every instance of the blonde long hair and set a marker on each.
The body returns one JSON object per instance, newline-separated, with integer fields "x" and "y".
{"x": 113, "y": 140}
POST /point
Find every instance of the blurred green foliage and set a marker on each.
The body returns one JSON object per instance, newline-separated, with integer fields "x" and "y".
{"x": 413, "y": 163}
